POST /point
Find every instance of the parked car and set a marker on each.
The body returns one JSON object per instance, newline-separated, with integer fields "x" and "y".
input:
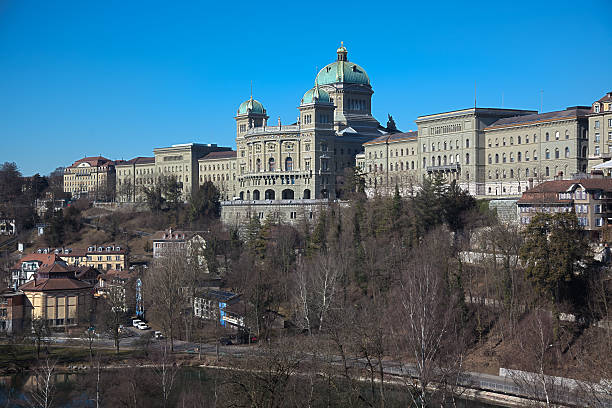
{"x": 158, "y": 335}
{"x": 143, "y": 326}
{"x": 136, "y": 322}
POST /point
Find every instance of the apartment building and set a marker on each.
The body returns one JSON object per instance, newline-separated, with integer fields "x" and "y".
{"x": 220, "y": 169}
{"x": 133, "y": 176}
{"x": 600, "y": 130}
{"x": 590, "y": 199}
{"x": 91, "y": 177}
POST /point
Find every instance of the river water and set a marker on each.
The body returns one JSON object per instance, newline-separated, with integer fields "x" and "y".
{"x": 190, "y": 387}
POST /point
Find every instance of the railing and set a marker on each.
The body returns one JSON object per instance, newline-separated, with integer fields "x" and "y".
{"x": 273, "y": 129}
{"x": 445, "y": 167}
{"x": 278, "y": 202}
{"x": 278, "y": 173}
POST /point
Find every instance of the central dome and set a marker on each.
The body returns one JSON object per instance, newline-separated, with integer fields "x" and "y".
{"x": 342, "y": 71}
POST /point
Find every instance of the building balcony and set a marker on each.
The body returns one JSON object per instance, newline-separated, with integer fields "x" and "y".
{"x": 444, "y": 168}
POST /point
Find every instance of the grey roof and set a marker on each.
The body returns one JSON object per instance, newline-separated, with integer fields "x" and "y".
{"x": 220, "y": 155}
{"x": 572, "y": 112}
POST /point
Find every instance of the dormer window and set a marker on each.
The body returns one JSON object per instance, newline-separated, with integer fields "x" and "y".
{"x": 354, "y": 68}
{"x": 596, "y": 107}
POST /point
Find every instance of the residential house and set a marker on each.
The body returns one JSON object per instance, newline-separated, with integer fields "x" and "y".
{"x": 11, "y": 311}
{"x": 57, "y": 297}
{"x": 590, "y": 199}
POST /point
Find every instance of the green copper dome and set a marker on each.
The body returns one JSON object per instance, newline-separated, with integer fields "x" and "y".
{"x": 343, "y": 71}
{"x": 315, "y": 94}
{"x": 251, "y": 105}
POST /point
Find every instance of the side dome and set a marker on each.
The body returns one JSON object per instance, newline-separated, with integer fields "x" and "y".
{"x": 251, "y": 106}
{"x": 315, "y": 95}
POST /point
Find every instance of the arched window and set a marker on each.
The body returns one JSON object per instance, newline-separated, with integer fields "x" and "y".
{"x": 467, "y": 143}
{"x": 511, "y": 140}
{"x": 519, "y": 156}
{"x": 287, "y": 194}
{"x": 503, "y": 141}
{"x": 458, "y": 160}
{"x": 489, "y": 174}
{"x": 535, "y": 155}
{"x": 567, "y": 134}
{"x": 567, "y": 152}
{"x": 467, "y": 158}
{"x": 547, "y": 154}
{"x": 511, "y": 173}
{"x": 556, "y": 153}
{"x": 496, "y": 158}
{"x": 503, "y": 157}
{"x": 547, "y": 172}
{"x": 444, "y": 160}
{"x": 451, "y": 159}
{"x": 307, "y": 192}
{"x": 584, "y": 151}
{"x": 269, "y": 195}
{"x": 518, "y": 139}
{"x": 557, "y": 135}
{"x": 258, "y": 165}
{"x": 412, "y": 165}
{"x": 489, "y": 142}
{"x": 288, "y": 164}
{"x": 424, "y": 162}
{"x": 527, "y": 172}
{"x": 255, "y": 194}
{"x": 444, "y": 145}
{"x": 271, "y": 164}
{"x": 490, "y": 159}
{"x": 433, "y": 147}
{"x": 547, "y": 137}
{"x": 511, "y": 157}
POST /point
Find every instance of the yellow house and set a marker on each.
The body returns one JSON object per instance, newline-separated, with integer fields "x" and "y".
{"x": 56, "y": 296}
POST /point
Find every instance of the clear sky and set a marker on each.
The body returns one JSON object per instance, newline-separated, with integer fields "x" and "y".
{"x": 118, "y": 78}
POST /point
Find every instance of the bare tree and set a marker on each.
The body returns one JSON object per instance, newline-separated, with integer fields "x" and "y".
{"x": 164, "y": 290}
{"x": 112, "y": 314}
{"x": 425, "y": 311}
{"x": 44, "y": 392}
{"x": 166, "y": 369}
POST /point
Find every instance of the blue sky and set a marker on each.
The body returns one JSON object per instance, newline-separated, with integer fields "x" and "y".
{"x": 118, "y": 78}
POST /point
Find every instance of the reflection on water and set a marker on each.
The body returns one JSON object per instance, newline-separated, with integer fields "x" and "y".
{"x": 77, "y": 389}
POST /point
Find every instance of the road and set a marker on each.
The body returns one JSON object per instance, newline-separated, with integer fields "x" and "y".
{"x": 470, "y": 380}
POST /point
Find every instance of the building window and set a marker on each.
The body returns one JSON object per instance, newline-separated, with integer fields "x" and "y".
{"x": 467, "y": 158}
{"x": 597, "y": 138}
{"x": 288, "y": 164}
{"x": 467, "y": 143}
{"x": 596, "y": 124}
{"x": 556, "y": 153}
{"x": 271, "y": 164}
{"x": 518, "y": 139}
{"x": 547, "y": 172}
{"x": 596, "y": 107}
{"x": 519, "y": 156}
{"x": 490, "y": 159}
{"x": 597, "y": 152}
{"x": 557, "y": 135}
{"x": 496, "y": 158}
{"x": 547, "y": 137}
{"x": 567, "y": 152}
{"x": 547, "y": 154}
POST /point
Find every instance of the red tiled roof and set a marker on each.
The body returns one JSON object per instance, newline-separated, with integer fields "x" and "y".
{"x": 95, "y": 161}
{"x": 548, "y": 192}
{"x": 220, "y": 155}
{"x": 606, "y": 98}
{"x": 116, "y": 274}
{"x": 62, "y": 283}
{"x": 41, "y": 258}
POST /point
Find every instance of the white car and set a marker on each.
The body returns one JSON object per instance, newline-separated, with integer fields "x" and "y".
{"x": 143, "y": 326}
{"x": 136, "y": 322}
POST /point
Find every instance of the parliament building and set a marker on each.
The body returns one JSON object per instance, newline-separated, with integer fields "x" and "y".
{"x": 290, "y": 171}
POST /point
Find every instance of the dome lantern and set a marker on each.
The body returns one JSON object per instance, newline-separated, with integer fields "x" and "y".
{"x": 342, "y": 53}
